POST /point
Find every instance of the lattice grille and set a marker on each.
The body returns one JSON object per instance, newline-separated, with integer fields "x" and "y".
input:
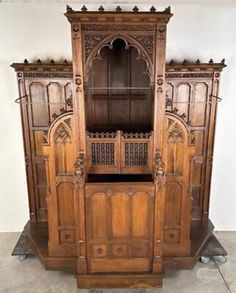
{"x": 136, "y": 154}
{"x": 103, "y": 153}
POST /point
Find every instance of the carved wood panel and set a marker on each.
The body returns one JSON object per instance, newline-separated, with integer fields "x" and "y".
{"x": 59, "y": 151}
{"x": 119, "y": 226}
{"x": 177, "y": 215}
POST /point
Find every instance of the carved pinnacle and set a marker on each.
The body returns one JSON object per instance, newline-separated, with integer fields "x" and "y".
{"x": 101, "y": 9}
{"x": 152, "y": 9}
{"x": 84, "y": 8}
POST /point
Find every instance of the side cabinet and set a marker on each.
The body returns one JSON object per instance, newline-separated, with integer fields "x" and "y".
{"x": 45, "y": 92}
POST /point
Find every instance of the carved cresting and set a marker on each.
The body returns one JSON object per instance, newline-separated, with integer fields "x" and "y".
{"x": 159, "y": 173}
{"x": 79, "y": 171}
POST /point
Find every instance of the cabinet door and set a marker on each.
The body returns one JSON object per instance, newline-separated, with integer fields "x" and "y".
{"x": 177, "y": 213}
{"x": 60, "y": 195}
{"x": 119, "y": 227}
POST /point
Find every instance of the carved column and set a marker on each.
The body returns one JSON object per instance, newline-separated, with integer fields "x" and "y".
{"x": 80, "y": 145}
{"x": 159, "y": 114}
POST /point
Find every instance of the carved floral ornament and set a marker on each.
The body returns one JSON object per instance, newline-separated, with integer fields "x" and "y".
{"x": 159, "y": 173}
{"x": 79, "y": 166}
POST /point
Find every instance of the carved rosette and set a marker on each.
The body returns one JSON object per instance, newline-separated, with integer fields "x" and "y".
{"x": 161, "y": 33}
{"x": 160, "y": 83}
{"x": 75, "y": 31}
{"x": 78, "y": 83}
{"x": 79, "y": 171}
{"x": 159, "y": 172}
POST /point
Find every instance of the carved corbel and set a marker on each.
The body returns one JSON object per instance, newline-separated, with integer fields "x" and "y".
{"x": 159, "y": 173}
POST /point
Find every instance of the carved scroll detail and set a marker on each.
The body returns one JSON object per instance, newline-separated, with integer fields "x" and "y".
{"x": 79, "y": 171}
{"x": 159, "y": 170}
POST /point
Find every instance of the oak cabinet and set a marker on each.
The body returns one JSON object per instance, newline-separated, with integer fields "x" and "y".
{"x": 118, "y": 149}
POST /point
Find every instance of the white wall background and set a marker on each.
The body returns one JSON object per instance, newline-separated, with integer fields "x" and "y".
{"x": 38, "y": 29}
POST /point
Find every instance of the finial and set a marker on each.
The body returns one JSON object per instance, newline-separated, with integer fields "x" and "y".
{"x": 84, "y": 8}
{"x": 172, "y": 61}
{"x": 223, "y": 61}
{"x": 211, "y": 61}
{"x": 65, "y": 61}
{"x": 26, "y": 61}
{"x": 52, "y": 61}
{"x": 135, "y": 9}
{"x": 101, "y": 9}
{"x": 167, "y": 10}
{"x": 118, "y": 8}
{"x": 152, "y": 9}
{"x": 198, "y": 61}
{"x": 39, "y": 61}
{"x": 185, "y": 62}
{"x": 69, "y": 9}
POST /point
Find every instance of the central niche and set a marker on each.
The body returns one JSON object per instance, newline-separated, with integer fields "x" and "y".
{"x": 118, "y": 92}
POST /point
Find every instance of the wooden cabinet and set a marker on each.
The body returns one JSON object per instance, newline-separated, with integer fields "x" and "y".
{"x": 118, "y": 149}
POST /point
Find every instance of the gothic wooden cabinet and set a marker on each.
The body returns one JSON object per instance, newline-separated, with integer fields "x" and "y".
{"x": 118, "y": 149}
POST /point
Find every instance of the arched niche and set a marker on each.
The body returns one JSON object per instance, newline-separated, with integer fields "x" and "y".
{"x": 118, "y": 88}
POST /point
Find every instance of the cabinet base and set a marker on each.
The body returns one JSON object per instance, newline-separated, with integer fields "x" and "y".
{"x": 37, "y": 237}
{"x": 119, "y": 281}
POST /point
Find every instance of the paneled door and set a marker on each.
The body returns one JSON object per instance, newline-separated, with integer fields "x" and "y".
{"x": 119, "y": 227}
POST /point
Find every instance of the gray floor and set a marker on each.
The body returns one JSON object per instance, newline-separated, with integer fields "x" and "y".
{"x": 29, "y": 276}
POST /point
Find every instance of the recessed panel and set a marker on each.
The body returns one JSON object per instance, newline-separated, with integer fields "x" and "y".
{"x": 140, "y": 215}
{"x": 97, "y": 215}
{"x": 39, "y": 104}
{"x": 120, "y": 215}
{"x": 65, "y": 202}
{"x": 173, "y": 204}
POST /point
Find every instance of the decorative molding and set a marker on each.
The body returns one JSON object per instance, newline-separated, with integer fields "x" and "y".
{"x": 190, "y": 75}
{"x": 101, "y": 134}
{"x": 90, "y": 41}
{"x": 159, "y": 170}
{"x": 137, "y": 134}
{"x": 68, "y": 75}
{"x": 118, "y": 27}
